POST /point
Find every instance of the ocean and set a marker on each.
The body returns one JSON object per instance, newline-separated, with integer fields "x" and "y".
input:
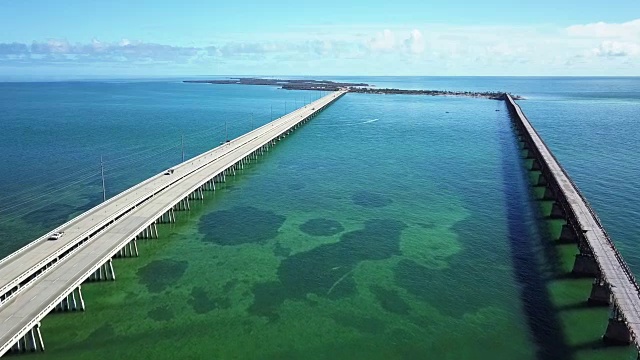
{"x": 388, "y": 227}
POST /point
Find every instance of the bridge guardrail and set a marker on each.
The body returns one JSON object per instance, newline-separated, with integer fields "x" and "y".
{"x": 623, "y": 264}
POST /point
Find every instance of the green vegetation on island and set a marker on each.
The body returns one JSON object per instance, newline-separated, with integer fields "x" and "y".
{"x": 362, "y": 88}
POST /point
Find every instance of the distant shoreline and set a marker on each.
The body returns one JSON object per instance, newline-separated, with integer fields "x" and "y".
{"x": 359, "y": 88}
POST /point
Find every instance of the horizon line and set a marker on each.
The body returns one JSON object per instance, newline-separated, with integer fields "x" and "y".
{"x": 54, "y": 78}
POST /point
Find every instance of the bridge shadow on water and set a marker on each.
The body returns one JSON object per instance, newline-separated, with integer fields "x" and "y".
{"x": 524, "y": 240}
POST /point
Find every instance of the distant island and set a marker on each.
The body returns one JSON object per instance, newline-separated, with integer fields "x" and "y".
{"x": 494, "y": 95}
{"x": 362, "y": 88}
{"x": 319, "y": 85}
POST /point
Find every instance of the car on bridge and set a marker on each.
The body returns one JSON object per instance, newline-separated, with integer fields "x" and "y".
{"x": 56, "y": 235}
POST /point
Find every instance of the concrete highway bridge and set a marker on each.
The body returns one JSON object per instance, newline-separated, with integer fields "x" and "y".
{"x": 47, "y": 275}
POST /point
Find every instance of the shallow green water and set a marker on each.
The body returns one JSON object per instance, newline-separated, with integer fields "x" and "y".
{"x": 389, "y": 227}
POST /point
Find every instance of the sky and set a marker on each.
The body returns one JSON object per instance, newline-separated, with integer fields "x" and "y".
{"x": 86, "y": 38}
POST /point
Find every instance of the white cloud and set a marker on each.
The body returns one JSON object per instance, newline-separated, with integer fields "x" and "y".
{"x": 616, "y": 49}
{"x": 389, "y": 41}
{"x": 383, "y": 41}
{"x": 431, "y": 49}
{"x": 609, "y": 40}
{"x": 61, "y": 51}
{"x": 630, "y": 29}
{"x": 415, "y": 43}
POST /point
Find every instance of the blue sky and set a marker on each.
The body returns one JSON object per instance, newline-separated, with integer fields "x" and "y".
{"x": 70, "y": 39}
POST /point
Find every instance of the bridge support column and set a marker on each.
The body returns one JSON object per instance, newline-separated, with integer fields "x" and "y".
{"x": 542, "y": 181}
{"x": 104, "y": 272}
{"x": 22, "y": 345}
{"x": 73, "y": 304}
{"x": 585, "y": 265}
{"x": 600, "y": 293}
{"x": 135, "y": 246}
{"x": 64, "y": 304}
{"x": 82, "y": 308}
{"x": 33, "y": 345}
{"x": 568, "y": 235}
{"x": 535, "y": 165}
{"x": 39, "y": 337}
{"x": 617, "y": 332}
{"x": 113, "y": 273}
{"x": 31, "y": 341}
{"x": 528, "y": 154}
{"x": 25, "y": 343}
{"x": 16, "y": 347}
{"x": 548, "y": 194}
{"x": 556, "y": 211}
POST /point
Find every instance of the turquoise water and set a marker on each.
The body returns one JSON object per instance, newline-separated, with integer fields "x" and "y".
{"x": 389, "y": 227}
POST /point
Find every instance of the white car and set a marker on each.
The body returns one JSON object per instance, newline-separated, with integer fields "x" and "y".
{"x": 56, "y": 235}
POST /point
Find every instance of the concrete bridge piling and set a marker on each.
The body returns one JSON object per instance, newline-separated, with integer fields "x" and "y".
{"x": 30, "y": 342}
{"x": 72, "y": 302}
{"x": 104, "y": 272}
{"x": 129, "y": 250}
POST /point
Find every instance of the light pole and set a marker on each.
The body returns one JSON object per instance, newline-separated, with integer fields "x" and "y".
{"x": 104, "y": 190}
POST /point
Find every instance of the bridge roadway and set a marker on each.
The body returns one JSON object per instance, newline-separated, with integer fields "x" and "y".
{"x": 623, "y": 287}
{"x": 132, "y": 212}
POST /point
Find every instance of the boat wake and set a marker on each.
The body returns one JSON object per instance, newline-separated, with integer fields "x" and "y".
{"x": 349, "y": 124}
